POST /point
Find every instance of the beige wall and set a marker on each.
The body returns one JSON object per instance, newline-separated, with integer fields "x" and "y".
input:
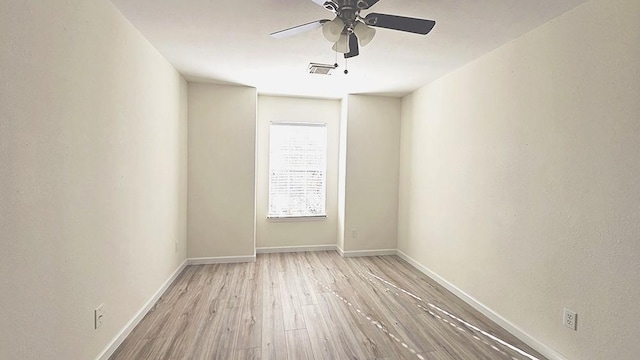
{"x": 371, "y": 175}
{"x": 222, "y": 138}
{"x": 276, "y": 233}
{"x": 342, "y": 170}
{"x": 519, "y": 180}
{"x": 93, "y": 150}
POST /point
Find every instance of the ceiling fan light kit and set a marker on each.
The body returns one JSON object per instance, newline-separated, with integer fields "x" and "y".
{"x": 342, "y": 45}
{"x": 349, "y": 30}
{"x": 333, "y": 29}
{"x": 364, "y": 33}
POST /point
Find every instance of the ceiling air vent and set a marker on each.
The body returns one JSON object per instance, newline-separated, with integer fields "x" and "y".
{"x": 322, "y": 69}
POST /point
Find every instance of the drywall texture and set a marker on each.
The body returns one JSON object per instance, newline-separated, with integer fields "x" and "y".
{"x": 93, "y": 147}
{"x": 276, "y": 233}
{"x": 519, "y": 178}
{"x": 372, "y": 170}
{"x": 222, "y": 146}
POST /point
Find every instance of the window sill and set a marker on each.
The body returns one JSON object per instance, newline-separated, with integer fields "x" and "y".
{"x": 296, "y": 218}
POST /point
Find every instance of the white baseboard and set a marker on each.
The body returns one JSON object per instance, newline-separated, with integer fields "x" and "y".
{"x": 357, "y": 253}
{"x": 285, "y": 249}
{"x": 221, "y": 260}
{"x": 495, "y": 317}
{"x": 122, "y": 335}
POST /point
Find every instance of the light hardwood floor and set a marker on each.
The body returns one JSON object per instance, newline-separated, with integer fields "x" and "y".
{"x": 315, "y": 305}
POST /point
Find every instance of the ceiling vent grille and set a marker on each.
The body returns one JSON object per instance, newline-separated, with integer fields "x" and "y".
{"x": 321, "y": 69}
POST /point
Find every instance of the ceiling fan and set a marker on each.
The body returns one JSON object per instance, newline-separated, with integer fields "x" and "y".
{"x": 348, "y": 30}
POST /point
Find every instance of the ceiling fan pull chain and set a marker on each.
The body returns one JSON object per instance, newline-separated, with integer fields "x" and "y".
{"x": 346, "y": 50}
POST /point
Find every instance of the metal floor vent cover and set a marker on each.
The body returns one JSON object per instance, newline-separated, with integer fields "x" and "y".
{"x": 322, "y": 69}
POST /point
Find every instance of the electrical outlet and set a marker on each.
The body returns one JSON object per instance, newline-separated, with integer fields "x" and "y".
{"x": 354, "y": 233}
{"x": 570, "y": 319}
{"x": 98, "y": 316}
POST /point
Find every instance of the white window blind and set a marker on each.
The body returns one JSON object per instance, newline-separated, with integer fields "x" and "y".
{"x": 297, "y": 169}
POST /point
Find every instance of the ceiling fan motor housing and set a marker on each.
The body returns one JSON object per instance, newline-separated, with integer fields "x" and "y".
{"x": 349, "y": 10}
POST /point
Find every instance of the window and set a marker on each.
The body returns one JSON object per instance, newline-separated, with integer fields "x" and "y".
{"x": 297, "y": 170}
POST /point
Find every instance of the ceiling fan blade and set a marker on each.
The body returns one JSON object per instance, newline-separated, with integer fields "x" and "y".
{"x": 365, "y": 4}
{"x": 327, "y": 4}
{"x": 402, "y": 23}
{"x": 298, "y": 29}
{"x": 353, "y": 47}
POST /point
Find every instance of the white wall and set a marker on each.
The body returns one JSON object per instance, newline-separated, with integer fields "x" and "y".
{"x": 92, "y": 175}
{"x": 519, "y": 180}
{"x": 278, "y": 233}
{"x": 372, "y": 171}
{"x": 222, "y": 146}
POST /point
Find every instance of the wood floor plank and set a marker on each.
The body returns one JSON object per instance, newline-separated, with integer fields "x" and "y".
{"x": 279, "y": 261}
{"x": 250, "y": 330}
{"x": 319, "y": 334}
{"x": 137, "y": 349}
{"x": 250, "y": 270}
{"x": 321, "y": 268}
{"x": 226, "y": 273}
{"x": 347, "y": 344}
{"x": 247, "y": 354}
{"x": 274, "y": 344}
{"x": 293, "y": 265}
{"x": 220, "y": 339}
{"x": 443, "y": 300}
{"x": 379, "y": 343}
{"x": 452, "y": 341}
{"x": 306, "y": 296}
{"x": 298, "y": 345}
{"x": 313, "y": 305}
{"x": 253, "y": 293}
{"x": 157, "y": 318}
{"x": 292, "y": 310}
{"x": 269, "y": 271}
{"x": 238, "y": 286}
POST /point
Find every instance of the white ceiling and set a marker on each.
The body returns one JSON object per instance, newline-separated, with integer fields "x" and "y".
{"x": 229, "y": 42}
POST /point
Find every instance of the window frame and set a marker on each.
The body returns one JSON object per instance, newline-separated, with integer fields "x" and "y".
{"x": 310, "y": 217}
